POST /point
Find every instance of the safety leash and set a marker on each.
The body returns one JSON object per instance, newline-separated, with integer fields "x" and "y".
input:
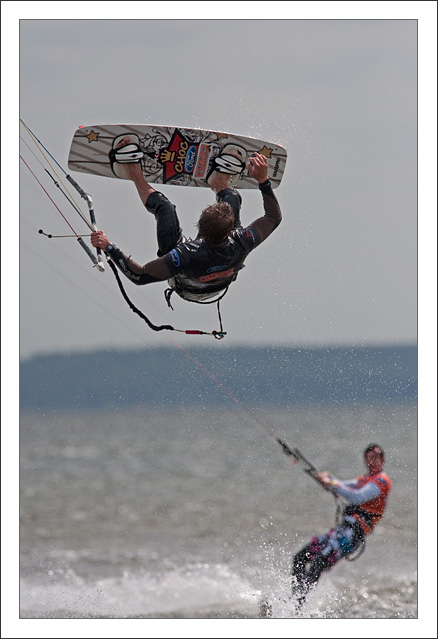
{"x": 216, "y": 334}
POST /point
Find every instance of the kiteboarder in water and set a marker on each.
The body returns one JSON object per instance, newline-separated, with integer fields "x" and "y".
{"x": 367, "y": 496}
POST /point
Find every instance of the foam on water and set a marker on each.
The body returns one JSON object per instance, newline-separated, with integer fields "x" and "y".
{"x": 188, "y": 592}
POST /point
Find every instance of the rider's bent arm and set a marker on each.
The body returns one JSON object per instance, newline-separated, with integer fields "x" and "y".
{"x": 355, "y": 495}
{"x": 272, "y": 218}
{"x": 154, "y": 271}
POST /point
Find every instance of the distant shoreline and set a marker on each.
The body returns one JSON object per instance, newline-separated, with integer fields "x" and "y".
{"x": 274, "y": 375}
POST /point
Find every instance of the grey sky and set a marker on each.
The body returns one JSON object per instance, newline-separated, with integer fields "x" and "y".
{"x": 340, "y": 95}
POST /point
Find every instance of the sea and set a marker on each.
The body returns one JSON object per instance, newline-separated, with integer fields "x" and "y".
{"x": 195, "y": 514}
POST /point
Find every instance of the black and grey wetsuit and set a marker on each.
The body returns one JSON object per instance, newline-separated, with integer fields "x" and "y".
{"x": 199, "y": 270}
{"x": 202, "y": 270}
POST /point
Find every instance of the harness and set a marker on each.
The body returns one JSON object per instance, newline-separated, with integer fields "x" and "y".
{"x": 192, "y": 295}
{"x": 362, "y": 513}
{"x": 179, "y": 290}
{"x": 360, "y": 535}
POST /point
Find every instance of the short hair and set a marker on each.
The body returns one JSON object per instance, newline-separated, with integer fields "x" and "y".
{"x": 371, "y": 447}
{"x": 216, "y": 222}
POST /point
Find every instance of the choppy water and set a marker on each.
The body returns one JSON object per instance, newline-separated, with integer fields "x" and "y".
{"x": 196, "y": 514}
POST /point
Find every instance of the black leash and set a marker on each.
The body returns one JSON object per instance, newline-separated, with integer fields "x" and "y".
{"x": 133, "y": 307}
{"x": 216, "y": 334}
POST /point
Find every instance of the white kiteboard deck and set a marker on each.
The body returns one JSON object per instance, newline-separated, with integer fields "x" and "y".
{"x": 169, "y": 155}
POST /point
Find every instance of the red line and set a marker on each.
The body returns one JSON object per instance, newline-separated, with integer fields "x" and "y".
{"x": 49, "y": 197}
{"x": 226, "y": 390}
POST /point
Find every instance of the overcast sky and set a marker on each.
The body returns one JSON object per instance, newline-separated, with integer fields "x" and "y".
{"x": 340, "y": 95}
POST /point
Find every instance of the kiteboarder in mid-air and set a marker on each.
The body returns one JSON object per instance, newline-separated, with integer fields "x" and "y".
{"x": 202, "y": 268}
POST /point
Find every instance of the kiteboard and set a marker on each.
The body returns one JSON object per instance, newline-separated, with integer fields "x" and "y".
{"x": 171, "y": 155}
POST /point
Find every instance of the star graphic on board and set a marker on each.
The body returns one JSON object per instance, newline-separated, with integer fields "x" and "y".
{"x": 92, "y": 136}
{"x": 266, "y": 152}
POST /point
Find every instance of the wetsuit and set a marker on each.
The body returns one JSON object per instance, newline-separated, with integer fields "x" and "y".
{"x": 367, "y": 496}
{"x": 199, "y": 270}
